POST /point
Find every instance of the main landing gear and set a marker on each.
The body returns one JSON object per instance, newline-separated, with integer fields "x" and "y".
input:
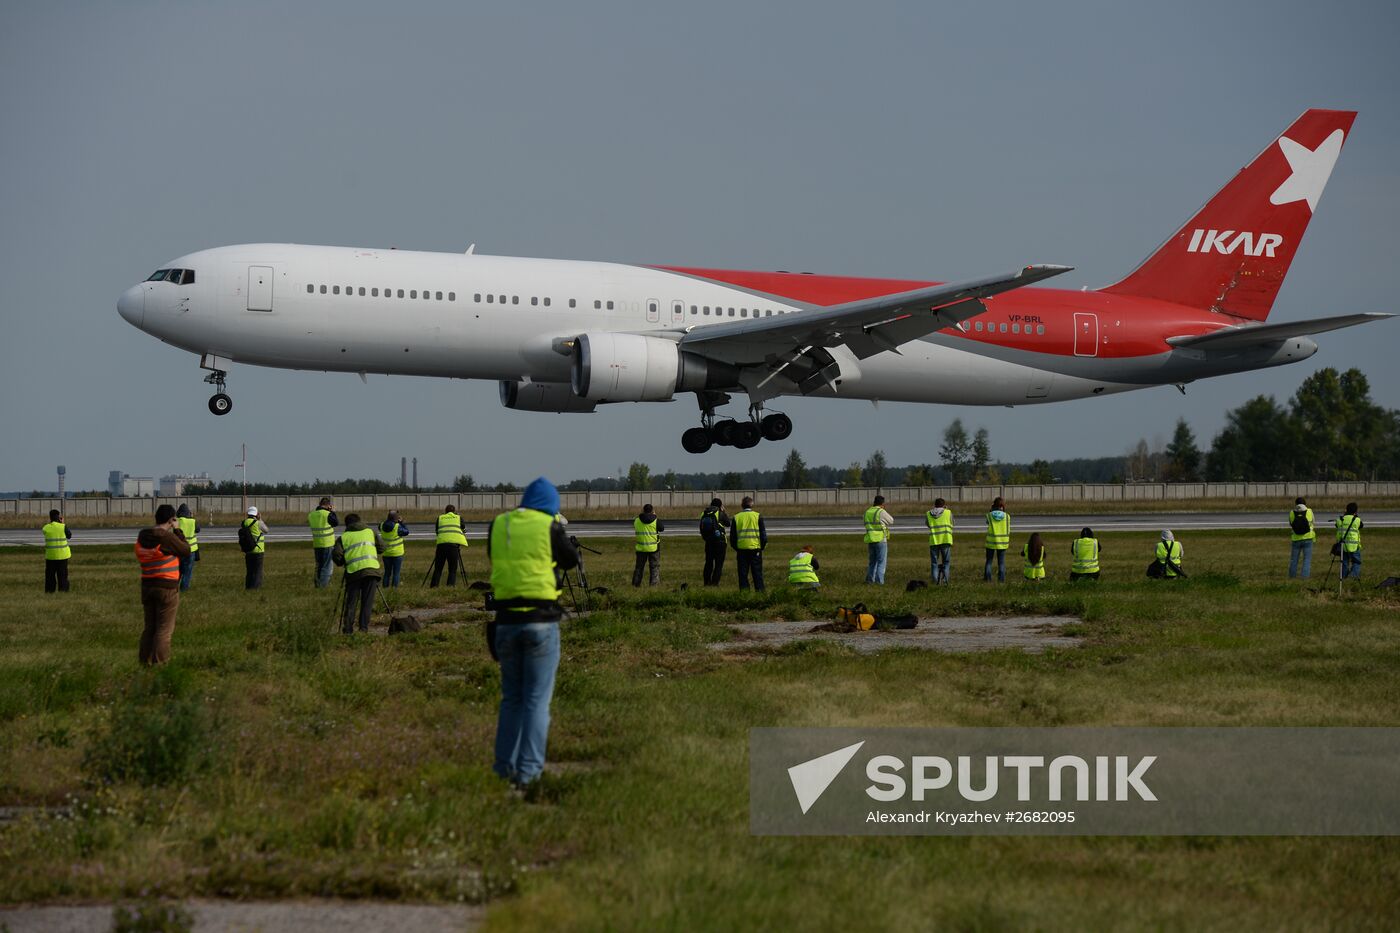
{"x": 220, "y": 403}
{"x": 732, "y": 433}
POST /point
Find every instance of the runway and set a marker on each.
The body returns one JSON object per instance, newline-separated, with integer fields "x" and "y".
{"x": 911, "y": 525}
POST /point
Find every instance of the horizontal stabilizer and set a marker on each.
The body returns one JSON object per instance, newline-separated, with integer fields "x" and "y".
{"x": 1255, "y": 335}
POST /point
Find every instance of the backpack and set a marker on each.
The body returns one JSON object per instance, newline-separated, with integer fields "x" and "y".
{"x": 863, "y": 620}
{"x": 401, "y": 624}
{"x": 1299, "y": 523}
{"x": 246, "y": 541}
{"x": 856, "y": 615}
{"x": 709, "y": 527}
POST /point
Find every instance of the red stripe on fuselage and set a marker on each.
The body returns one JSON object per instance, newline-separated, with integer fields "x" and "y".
{"x": 1126, "y": 326}
{"x": 803, "y": 286}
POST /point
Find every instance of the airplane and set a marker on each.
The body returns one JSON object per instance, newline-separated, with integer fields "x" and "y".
{"x": 568, "y": 336}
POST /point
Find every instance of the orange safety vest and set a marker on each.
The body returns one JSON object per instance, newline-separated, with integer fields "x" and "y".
{"x": 156, "y": 564}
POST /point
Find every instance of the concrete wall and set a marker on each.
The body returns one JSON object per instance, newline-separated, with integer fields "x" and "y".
{"x": 1260, "y": 495}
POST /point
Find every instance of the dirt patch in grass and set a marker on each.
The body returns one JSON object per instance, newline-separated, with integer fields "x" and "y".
{"x": 1032, "y": 634}
{"x": 266, "y": 917}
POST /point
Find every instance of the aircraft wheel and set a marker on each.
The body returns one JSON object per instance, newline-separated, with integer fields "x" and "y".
{"x": 747, "y": 435}
{"x": 696, "y": 441}
{"x": 221, "y": 404}
{"x": 724, "y": 432}
{"x": 776, "y": 427}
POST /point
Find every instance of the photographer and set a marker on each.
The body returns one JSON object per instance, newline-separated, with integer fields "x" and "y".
{"x": 525, "y": 547}
{"x": 358, "y": 552}
{"x": 647, "y": 528}
{"x": 714, "y": 525}
{"x": 159, "y": 550}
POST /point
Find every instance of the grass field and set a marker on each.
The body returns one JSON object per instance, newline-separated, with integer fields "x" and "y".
{"x": 274, "y": 759}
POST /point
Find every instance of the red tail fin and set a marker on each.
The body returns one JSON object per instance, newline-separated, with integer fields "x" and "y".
{"x": 1232, "y": 256}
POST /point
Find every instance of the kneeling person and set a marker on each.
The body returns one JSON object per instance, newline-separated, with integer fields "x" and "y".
{"x": 802, "y": 570}
{"x": 358, "y": 552}
{"x": 1084, "y": 555}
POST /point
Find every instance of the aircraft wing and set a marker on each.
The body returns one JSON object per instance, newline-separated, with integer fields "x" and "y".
{"x": 1255, "y": 335}
{"x": 865, "y": 327}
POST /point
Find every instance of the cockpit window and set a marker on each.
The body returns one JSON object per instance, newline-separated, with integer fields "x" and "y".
{"x": 173, "y": 276}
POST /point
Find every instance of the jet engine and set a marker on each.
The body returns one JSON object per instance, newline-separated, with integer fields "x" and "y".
{"x": 542, "y": 396}
{"x": 609, "y": 367}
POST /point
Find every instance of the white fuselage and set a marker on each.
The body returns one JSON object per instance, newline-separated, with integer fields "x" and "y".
{"x": 469, "y": 316}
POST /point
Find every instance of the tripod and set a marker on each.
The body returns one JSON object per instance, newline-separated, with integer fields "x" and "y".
{"x": 461, "y": 568}
{"x": 581, "y": 586}
{"x": 337, "y": 621}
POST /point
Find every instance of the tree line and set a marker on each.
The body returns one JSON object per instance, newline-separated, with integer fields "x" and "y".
{"x": 1329, "y": 429}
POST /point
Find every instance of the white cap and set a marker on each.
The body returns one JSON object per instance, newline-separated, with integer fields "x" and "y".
{"x": 252, "y": 510}
{"x": 1167, "y": 535}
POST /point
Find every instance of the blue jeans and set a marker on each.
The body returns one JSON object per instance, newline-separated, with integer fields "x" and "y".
{"x": 393, "y": 570}
{"x": 324, "y": 568}
{"x": 1001, "y": 565}
{"x": 529, "y": 656}
{"x": 1301, "y": 549}
{"x": 940, "y": 559}
{"x": 879, "y": 552}
{"x": 1351, "y": 564}
{"x": 186, "y": 572}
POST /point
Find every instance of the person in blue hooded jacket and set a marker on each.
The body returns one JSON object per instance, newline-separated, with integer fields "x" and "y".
{"x": 526, "y": 547}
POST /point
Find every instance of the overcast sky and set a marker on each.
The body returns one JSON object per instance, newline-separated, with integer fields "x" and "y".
{"x": 909, "y": 140}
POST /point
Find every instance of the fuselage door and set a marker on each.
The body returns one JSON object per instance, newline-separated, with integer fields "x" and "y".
{"x": 259, "y": 288}
{"x": 653, "y": 310}
{"x": 1086, "y": 334}
{"x": 677, "y": 312}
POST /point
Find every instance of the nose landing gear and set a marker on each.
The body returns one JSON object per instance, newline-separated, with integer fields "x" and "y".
{"x": 742, "y": 435}
{"x": 220, "y": 403}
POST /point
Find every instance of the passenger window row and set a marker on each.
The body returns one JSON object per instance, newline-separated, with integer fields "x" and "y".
{"x": 427, "y": 294}
{"x": 1015, "y": 328}
{"x": 742, "y": 312}
{"x": 536, "y": 301}
{"x": 173, "y": 276}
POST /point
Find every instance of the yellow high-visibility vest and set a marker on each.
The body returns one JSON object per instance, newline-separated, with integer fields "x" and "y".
{"x": 999, "y": 532}
{"x": 393, "y": 541}
{"x": 522, "y": 557}
{"x": 1034, "y": 570}
{"x": 1349, "y": 533}
{"x": 1085, "y": 552}
{"x": 322, "y": 534}
{"x": 648, "y": 539}
{"x": 449, "y": 529}
{"x": 1168, "y": 554}
{"x": 187, "y": 528}
{"x": 746, "y": 536}
{"x": 56, "y": 541}
{"x": 360, "y": 552}
{"x": 259, "y": 539}
{"x": 1293, "y": 535}
{"x": 940, "y": 529}
{"x": 874, "y": 528}
{"x": 800, "y": 569}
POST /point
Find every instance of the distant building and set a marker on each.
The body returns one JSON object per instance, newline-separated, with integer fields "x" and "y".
{"x": 173, "y": 486}
{"x": 121, "y": 484}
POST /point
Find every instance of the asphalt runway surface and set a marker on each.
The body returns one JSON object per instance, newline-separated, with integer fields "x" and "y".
{"x": 910, "y": 525}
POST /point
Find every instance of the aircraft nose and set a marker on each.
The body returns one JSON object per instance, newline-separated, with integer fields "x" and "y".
{"x": 132, "y": 305}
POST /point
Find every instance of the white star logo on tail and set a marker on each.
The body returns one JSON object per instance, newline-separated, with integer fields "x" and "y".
{"x": 1311, "y": 167}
